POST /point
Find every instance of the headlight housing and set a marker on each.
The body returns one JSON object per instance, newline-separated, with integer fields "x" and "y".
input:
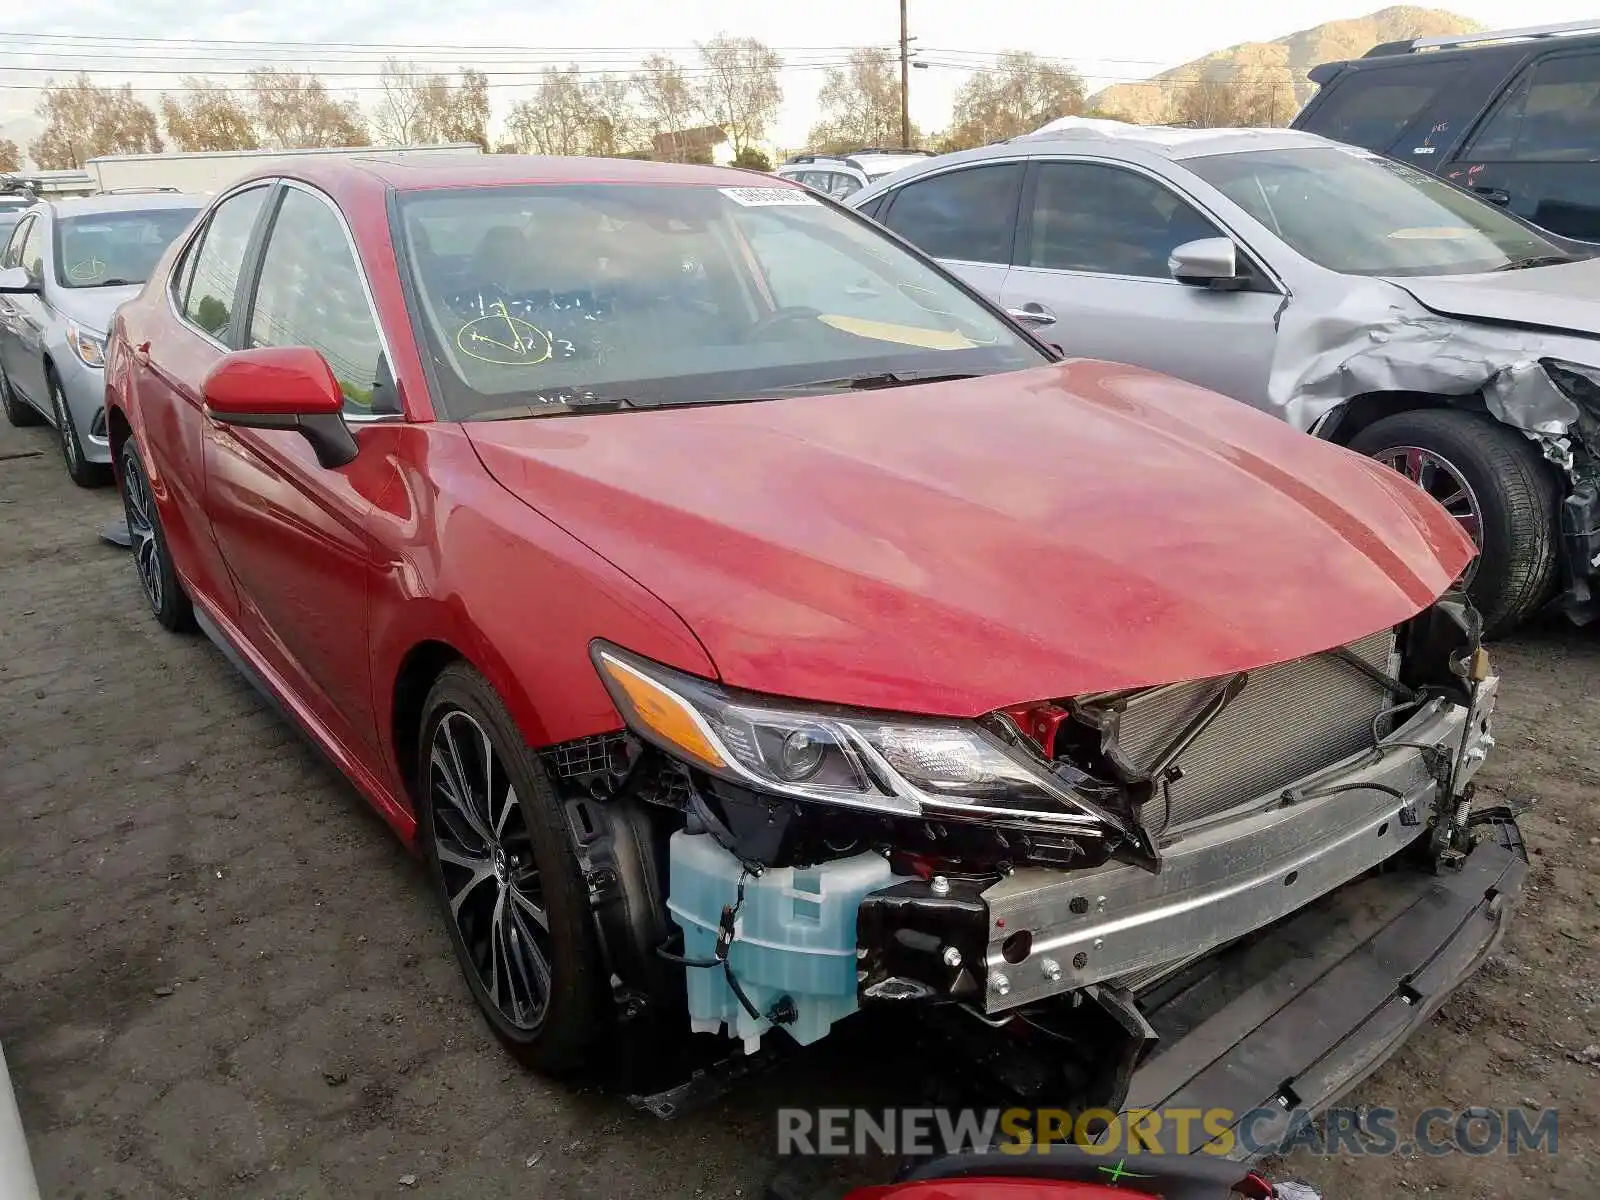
{"x": 89, "y": 347}
{"x": 888, "y": 763}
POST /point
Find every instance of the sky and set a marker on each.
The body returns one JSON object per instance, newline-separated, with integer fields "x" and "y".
{"x": 345, "y": 42}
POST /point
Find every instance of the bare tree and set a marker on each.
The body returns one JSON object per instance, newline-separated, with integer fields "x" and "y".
{"x": 1022, "y": 93}
{"x": 740, "y": 91}
{"x": 1211, "y": 102}
{"x": 295, "y": 111}
{"x": 459, "y": 113}
{"x": 82, "y": 121}
{"x": 556, "y": 119}
{"x": 668, "y": 104}
{"x": 10, "y": 155}
{"x": 208, "y": 117}
{"x": 614, "y": 124}
{"x": 418, "y": 107}
{"x": 860, "y": 104}
{"x": 400, "y": 114}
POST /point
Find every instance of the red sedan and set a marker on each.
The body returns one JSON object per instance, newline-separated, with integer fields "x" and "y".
{"x": 718, "y": 594}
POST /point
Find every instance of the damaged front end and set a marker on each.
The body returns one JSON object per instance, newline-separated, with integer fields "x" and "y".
{"x": 1532, "y": 379}
{"x": 1019, "y": 881}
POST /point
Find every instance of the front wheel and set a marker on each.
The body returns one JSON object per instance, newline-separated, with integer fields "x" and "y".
{"x": 1497, "y": 485}
{"x": 500, "y": 858}
{"x": 80, "y": 470}
{"x": 19, "y": 412}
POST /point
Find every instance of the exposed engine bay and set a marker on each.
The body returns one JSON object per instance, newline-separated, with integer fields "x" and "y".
{"x": 1158, "y": 826}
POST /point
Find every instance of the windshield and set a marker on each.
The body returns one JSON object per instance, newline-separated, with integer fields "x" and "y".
{"x": 1355, "y": 212}
{"x": 543, "y": 300}
{"x": 112, "y": 248}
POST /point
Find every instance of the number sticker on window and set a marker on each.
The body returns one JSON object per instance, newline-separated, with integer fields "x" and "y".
{"x": 761, "y": 197}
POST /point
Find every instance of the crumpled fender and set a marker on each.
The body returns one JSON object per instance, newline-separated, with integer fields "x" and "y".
{"x": 1378, "y": 340}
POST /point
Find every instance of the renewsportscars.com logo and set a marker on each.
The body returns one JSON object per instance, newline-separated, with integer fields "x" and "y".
{"x": 1216, "y": 1131}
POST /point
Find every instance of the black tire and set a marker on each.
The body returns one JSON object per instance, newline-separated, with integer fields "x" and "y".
{"x": 152, "y": 560}
{"x": 1517, "y": 493}
{"x": 18, "y": 411}
{"x": 80, "y": 470}
{"x": 577, "y": 1003}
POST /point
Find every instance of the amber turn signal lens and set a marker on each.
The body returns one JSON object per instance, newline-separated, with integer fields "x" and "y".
{"x": 664, "y": 714}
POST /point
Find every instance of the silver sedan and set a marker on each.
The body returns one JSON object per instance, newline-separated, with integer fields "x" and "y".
{"x": 1356, "y": 298}
{"x": 66, "y": 268}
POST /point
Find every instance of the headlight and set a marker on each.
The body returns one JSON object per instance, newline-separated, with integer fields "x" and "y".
{"x": 89, "y": 347}
{"x": 909, "y": 766}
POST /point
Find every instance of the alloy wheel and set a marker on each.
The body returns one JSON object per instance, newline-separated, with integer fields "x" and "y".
{"x": 140, "y": 513}
{"x": 70, "y": 450}
{"x": 485, "y": 858}
{"x": 1440, "y": 478}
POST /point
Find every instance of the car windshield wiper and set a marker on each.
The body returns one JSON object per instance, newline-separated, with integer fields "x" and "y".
{"x": 112, "y": 282}
{"x": 559, "y": 405}
{"x": 1539, "y": 260}
{"x": 867, "y": 383}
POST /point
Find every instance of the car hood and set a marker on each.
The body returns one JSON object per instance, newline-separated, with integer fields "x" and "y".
{"x": 952, "y": 548}
{"x": 1563, "y": 299}
{"x": 93, "y": 307}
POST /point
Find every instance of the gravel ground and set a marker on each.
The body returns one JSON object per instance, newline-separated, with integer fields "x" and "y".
{"x": 222, "y": 976}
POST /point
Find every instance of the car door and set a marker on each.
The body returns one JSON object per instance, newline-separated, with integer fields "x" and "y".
{"x": 965, "y": 217}
{"x": 1091, "y": 269}
{"x": 171, "y": 357}
{"x": 29, "y": 315}
{"x": 1538, "y": 151}
{"x": 293, "y": 532}
{"x": 10, "y": 342}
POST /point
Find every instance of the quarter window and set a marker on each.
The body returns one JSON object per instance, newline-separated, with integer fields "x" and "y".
{"x": 33, "y": 249}
{"x": 1551, "y": 115}
{"x": 220, "y": 259}
{"x": 1089, "y": 217}
{"x": 311, "y": 293}
{"x": 969, "y": 214}
{"x": 13, "y": 254}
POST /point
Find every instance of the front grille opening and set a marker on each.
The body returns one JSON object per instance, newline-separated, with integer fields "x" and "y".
{"x": 1290, "y": 720}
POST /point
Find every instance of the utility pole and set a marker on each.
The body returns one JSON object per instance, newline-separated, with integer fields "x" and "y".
{"x": 905, "y": 82}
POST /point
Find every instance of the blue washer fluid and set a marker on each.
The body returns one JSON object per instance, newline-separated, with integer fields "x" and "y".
{"x": 795, "y": 936}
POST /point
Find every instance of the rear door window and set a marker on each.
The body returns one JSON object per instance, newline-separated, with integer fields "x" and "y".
{"x": 969, "y": 215}
{"x": 1372, "y": 108}
{"x": 1551, "y": 114}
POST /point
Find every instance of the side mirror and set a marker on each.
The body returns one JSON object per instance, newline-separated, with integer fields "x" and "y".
{"x": 1209, "y": 263}
{"x": 15, "y": 281}
{"x": 282, "y": 387}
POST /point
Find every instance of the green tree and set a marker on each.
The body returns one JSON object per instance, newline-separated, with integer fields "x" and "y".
{"x": 1021, "y": 93}
{"x": 752, "y": 158}
{"x": 739, "y": 89}
{"x": 860, "y": 104}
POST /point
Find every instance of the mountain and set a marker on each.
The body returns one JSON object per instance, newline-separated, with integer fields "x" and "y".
{"x": 1281, "y": 64}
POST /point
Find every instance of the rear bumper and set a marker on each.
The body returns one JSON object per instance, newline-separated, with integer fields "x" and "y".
{"x": 1230, "y": 878}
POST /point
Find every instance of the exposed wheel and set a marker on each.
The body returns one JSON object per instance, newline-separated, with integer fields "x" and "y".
{"x": 18, "y": 411}
{"x": 151, "y": 559}
{"x": 1495, "y": 482}
{"x": 80, "y": 470}
{"x": 499, "y": 856}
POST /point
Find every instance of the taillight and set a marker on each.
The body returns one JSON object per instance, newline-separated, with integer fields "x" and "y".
{"x": 998, "y": 1188}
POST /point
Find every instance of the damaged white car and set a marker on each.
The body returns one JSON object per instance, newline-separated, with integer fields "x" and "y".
{"x": 1359, "y": 299}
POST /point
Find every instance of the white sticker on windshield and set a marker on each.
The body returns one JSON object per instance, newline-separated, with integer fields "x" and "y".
{"x": 758, "y": 197}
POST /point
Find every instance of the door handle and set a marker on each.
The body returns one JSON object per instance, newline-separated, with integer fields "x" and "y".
{"x": 1032, "y": 313}
{"x": 1494, "y": 195}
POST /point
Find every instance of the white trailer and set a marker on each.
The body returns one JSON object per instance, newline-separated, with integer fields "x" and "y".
{"x": 216, "y": 170}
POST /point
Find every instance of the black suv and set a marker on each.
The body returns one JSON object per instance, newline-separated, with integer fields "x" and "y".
{"x": 1513, "y": 115}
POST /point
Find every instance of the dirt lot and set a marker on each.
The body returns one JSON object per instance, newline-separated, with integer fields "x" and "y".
{"x": 222, "y": 977}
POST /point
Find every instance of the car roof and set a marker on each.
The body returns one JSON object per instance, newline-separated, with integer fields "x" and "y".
{"x": 415, "y": 171}
{"x": 72, "y": 206}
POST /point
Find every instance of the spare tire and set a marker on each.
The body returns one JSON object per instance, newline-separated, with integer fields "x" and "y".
{"x": 1497, "y": 484}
